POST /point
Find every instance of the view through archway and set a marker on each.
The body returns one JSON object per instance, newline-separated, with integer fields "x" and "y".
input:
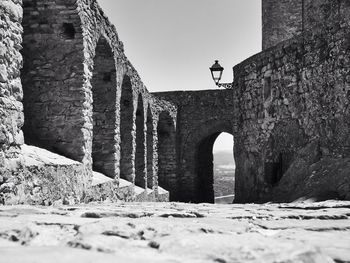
{"x": 224, "y": 169}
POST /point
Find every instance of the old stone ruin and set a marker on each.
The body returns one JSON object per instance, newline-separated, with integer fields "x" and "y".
{"x": 78, "y": 125}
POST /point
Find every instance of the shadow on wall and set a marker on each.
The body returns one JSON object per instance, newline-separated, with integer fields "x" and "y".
{"x": 150, "y": 150}
{"x": 52, "y": 77}
{"x": 104, "y": 95}
{"x": 140, "y": 166}
{"x": 313, "y": 176}
{"x": 167, "y": 154}
{"x": 127, "y": 170}
{"x": 286, "y": 140}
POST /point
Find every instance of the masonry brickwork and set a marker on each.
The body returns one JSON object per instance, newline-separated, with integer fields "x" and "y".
{"x": 11, "y": 109}
{"x": 288, "y": 112}
{"x": 202, "y": 116}
{"x": 75, "y": 77}
{"x": 93, "y": 131}
{"x": 281, "y": 20}
{"x": 291, "y": 95}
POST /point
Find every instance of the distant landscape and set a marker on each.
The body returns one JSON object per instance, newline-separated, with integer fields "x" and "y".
{"x": 224, "y": 176}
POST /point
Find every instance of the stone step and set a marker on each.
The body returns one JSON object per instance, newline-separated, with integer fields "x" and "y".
{"x": 104, "y": 188}
{"x": 163, "y": 195}
{"x": 40, "y": 177}
{"x": 228, "y": 199}
{"x": 149, "y": 195}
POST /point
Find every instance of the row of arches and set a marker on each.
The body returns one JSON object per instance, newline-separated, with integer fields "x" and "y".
{"x": 76, "y": 105}
{"x": 145, "y": 147}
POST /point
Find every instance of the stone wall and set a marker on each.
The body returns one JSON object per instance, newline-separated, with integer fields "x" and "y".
{"x": 11, "y": 109}
{"x": 202, "y": 116}
{"x": 52, "y": 77}
{"x": 321, "y": 14}
{"x": 44, "y": 178}
{"x": 82, "y": 95}
{"x": 285, "y": 19}
{"x": 162, "y": 164}
{"x": 281, "y": 20}
{"x": 104, "y": 110}
{"x": 166, "y": 148}
{"x": 289, "y": 96}
{"x": 82, "y": 99}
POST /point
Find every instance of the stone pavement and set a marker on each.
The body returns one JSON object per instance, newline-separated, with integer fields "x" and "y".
{"x": 174, "y": 232}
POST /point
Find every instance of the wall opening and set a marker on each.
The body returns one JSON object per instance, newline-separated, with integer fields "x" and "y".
{"x": 286, "y": 139}
{"x": 68, "y": 31}
{"x": 126, "y": 131}
{"x": 104, "y": 110}
{"x": 150, "y": 149}
{"x": 224, "y": 169}
{"x": 275, "y": 170}
{"x": 267, "y": 88}
{"x": 205, "y": 172}
{"x": 140, "y": 167}
{"x": 167, "y": 154}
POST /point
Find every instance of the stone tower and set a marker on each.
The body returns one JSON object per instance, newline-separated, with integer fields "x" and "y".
{"x": 281, "y": 20}
{"x": 325, "y": 14}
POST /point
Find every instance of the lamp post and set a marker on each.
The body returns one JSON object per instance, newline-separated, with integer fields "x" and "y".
{"x": 216, "y": 72}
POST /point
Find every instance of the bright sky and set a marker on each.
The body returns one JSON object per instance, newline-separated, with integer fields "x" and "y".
{"x": 223, "y": 143}
{"x": 172, "y": 43}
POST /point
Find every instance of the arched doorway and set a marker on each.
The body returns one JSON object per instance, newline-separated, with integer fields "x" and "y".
{"x": 140, "y": 167}
{"x": 104, "y": 110}
{"x": 150, "y": 149}
{"x": 126, "y": 131}
{"x": 224, "y": 169}
{"x": 204, "y": 161}
{"x": 167, "y": 153}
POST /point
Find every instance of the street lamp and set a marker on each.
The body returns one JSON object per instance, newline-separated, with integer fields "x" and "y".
{"x": 216, "y": 72}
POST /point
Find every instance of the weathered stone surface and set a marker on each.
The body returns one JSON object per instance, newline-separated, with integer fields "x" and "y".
{"x": 174, "y": 232}
{"x": 41, "y": 177}
{"x": 314, "y": 177}
{"x": 285, "y": 19}
{"x": 84, "y": 100}
{"x": 281, "y": 20}
{"x": 202, "y": 116}
{"x": 104, "y": 188}
{"x": 288, "y": 97}
{"x": 11, "y": 109}
{"x": 82, "y": 97}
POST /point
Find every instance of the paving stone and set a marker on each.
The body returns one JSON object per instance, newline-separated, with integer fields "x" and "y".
{"x": 262, "y": 234}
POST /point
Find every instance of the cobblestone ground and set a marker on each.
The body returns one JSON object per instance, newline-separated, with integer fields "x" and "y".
{"x": 174, "y": 232}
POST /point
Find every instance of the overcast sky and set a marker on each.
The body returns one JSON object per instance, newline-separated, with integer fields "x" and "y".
{"x": 172, "y": 43}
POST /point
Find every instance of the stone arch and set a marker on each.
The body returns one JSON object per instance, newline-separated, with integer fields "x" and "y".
{"x": 150, "y": 149}
{"x": 127, "y": 170}
{"x": 140, "y": 166}
{"x": 167, "y": 153}
{"x": 203, "y": 159}
{"x": 104, "y": 94}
